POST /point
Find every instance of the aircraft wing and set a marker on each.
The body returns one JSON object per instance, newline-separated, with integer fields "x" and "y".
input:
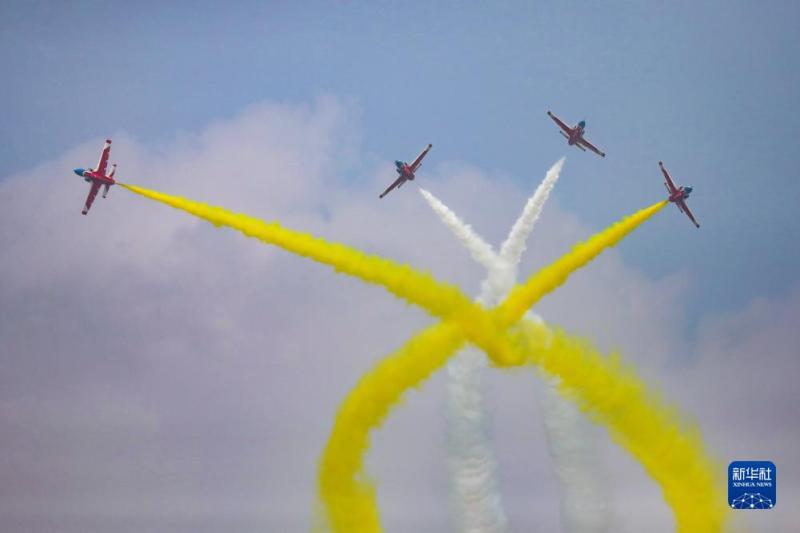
{"x": 559, "y": 122}
{"x": 669, "y": 183}
{"x": 103, "y": 163}
{"x": 397, "y": 182}
{"x": 591, "y": 147}
{"x": 91, "y": 197}
{"x": 418, "y": 161}
{"x": 685, "y": 208}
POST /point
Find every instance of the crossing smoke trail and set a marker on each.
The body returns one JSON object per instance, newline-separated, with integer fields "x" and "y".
{"x": 570, "y": 440}
{"x": 609, "y": 392}
{"x": 477, "y": 501}
{"x": 475, "y": 497}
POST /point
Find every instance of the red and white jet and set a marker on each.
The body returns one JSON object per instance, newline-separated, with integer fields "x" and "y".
{"x": 97, "y": 176}
{"x": 678, "y": 195}
{"x": 574, "y": 135}
{"x": 406, "y": 171}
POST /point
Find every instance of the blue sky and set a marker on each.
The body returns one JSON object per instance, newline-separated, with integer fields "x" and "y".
{"x": 708, "y": 88}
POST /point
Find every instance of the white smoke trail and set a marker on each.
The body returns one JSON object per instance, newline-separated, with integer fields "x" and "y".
{"x": 480, "y": 250}
{"x": 573, "y": 448}
{"x": 515, "y": 243}
{"x": 476, "y": 498}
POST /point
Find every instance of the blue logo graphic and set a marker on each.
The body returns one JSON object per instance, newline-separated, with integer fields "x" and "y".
{"x": 752, "y": 485}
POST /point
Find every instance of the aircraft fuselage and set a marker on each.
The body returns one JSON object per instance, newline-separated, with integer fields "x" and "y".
{"x": 577, "y": 133}
{"x": 681, "y": 194}
{"x": 404, "y": 170}
{"x": 90, "y": 175}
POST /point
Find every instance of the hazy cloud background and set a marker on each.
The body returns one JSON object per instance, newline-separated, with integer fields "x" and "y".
{"x": 162, "y": 374}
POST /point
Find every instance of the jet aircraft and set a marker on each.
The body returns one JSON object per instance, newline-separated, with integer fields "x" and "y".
{"x": 406, "y": 171}
{"x": 574, "y": 135}
{"x": 678, "y": 195}
{"x": 98, "y": 177}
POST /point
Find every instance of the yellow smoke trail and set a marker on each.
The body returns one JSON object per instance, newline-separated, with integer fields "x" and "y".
{"x": 349, "y": 499}
{"x": 610, "y": 393}
{"x": 523, "y": 296}
{"x": 401, "y": 280}
{"x": 439, "y": 299}
{"x": 637, "y": 419}
{"x": 636, "y": 426}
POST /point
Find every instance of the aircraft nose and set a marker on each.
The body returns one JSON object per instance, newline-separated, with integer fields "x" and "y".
{"x": 78, "y": 171}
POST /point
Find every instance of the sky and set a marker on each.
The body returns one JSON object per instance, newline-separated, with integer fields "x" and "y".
{"x": 158, "y": 374}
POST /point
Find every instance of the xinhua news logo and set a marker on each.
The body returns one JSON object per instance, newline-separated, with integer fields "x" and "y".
{"x": 752, "y": 485}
